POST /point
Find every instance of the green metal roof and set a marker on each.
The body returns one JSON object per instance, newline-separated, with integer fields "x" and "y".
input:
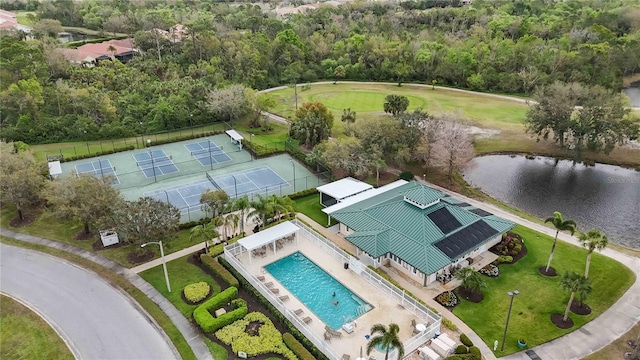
{"x": 387, "y": 223}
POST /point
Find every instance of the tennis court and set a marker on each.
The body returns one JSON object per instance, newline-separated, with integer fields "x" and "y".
{"x": 257, "y": 180}
{"x": 100, "y": 168}
{"x": 155, "y": 163}
{"x": 184, "y": 197}
{"x": 207, "y": 152}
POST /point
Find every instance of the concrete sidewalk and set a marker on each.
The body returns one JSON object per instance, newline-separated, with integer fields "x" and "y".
{"x": 600, "y": 332}
{"x": 184, "y": 326}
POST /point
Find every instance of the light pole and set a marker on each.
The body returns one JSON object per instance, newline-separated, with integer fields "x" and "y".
{"x": 164, "y": 264}
{"x": 252, "y": 151}
{"x": 235, "y": 186}
{"x": 294, "y": 175}
{"x": 142, "y": 133}
{"x": 512, "y": 295}
{"x": 101, "y": 172}
{"x": 191, "y": 123}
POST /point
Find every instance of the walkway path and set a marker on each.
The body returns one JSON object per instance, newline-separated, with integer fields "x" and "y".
{"x": 598, "y": 333}
{"x": 190, "y": 334}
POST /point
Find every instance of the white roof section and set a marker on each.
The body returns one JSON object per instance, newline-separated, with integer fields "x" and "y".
{"x": 234, "y": 135}
{"x": 362, "y": 196}
{"x": 344, "y": 188}
{"x": 268, "y": 236}
{"x": 55, "y": 168}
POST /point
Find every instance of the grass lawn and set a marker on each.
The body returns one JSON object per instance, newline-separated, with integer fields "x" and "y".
{"x": 158, "y": 315}
{"x": 50, "y": 227}
{"x": 23, "y": 19}
{"x": 310, "y": 206}
{"x": 25, "y": 335}
{"x": 540, "y": 296}
{"x": 182, "y": 273}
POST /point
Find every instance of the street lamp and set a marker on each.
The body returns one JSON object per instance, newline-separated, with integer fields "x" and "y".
{"x": 293, "y": 164}
{"x": 142, "y": 133}
{"x": 251, "y": 151}
{"x": 191, "y": 123}
{"x": 164, "y": 264}
{"x": 235, "y": 186}
{"x": 511, "y": 295}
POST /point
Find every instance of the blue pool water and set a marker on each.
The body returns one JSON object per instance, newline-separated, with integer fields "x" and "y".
{"x": 315, "y": 288}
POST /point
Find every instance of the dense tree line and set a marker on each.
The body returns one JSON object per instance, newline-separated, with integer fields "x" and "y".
{"x": 504, "y": 46}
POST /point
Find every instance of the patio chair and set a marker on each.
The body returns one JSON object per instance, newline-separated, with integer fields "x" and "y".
{"x": 345, "y": 357}
{"x": 413, "y": 327}
{"x": 284, "y": 297}
{"x": 260, "y": 277}
{"x": 307, "y": 320}
{"x": 274, "y": 290}
{"x": 298, "y": 312}
{"x": 269, "y": 284}
{"x": 327, "y": 336}
{"x": 337, "y": 334}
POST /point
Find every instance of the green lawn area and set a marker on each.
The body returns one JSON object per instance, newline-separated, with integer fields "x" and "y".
{"x": 540, "y": 296}
{"x": 310, "y": 206}
{"x": 25, "y": 335}
{"x": 23, "y": 19}
{"x": 50, "y": 227}
{"x": 182, "y": 273}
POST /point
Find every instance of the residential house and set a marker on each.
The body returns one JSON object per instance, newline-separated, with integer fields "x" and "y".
{"x": 9, "y": 23}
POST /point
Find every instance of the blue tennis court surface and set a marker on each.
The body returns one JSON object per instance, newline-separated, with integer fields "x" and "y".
{"x": 257, "y": 180}
{"x": 182, "y": 196}
{"x": 207, "y": 152}
{"x": 100, "y": 168}
{"x": 155, "y": 163}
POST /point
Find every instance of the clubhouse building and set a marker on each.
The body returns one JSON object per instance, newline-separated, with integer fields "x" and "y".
{"x": 418, "y": 230}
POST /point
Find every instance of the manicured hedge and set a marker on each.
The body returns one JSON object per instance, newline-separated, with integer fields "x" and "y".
{"x": 212, "y": 264}
{"x": 465, "y": 340}
{"x": 406, "y": 175}
{"x": 461, "y": 349}
{"x": 448, "y": 323}
{"x": 197, "y": 291}
{"x": 191, "y": 224}
{"x": 296, "y": 347}
{"x": 303, "y": 193}
{"x": 292, "y": 329}
{"x": 98, "y": 153}
{"x": 208, "y": 323}
{"x": 475, "y": 352}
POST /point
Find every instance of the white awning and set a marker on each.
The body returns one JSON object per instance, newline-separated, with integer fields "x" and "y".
{"x": 344, "y": 188}
{"x": 362, "y": 196}
{"x": 234, "y": 135}
{"x": 55, "y": 168}
{"x": 268, "y": 236}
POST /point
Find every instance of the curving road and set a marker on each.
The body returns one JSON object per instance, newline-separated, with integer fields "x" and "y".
{"x": 95, "y": 319}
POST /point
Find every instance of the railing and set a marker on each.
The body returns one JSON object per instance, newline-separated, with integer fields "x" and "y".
{"x": 422, "y": 312}
{"x": 230, "y": 253}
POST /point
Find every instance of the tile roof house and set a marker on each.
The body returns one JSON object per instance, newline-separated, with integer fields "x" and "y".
{"x": 89, "y": 54}
{"x": 417, "y": 229}
{"x": 9, "y": 22}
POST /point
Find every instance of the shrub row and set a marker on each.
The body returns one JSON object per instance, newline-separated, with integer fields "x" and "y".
{"x": 185, "y": 137}
{"x": 196, "y": 291}
{"x": 406, "y": 175}
{"x": 465, "y": 340}
{"x": 212, "y": 264}
{"x": 296, "y": 347}
{"x": 192, "y": 224}
{"x": 99, "y": 153}
{"x": 218, "y": 249}
{"x": 448, "y": 323}
{"x": 391, "y": 280}
{"x": 277, "y": 314}
{"x": 206, "y": 321}
{"x": 303, "y": 193}
{"x": 474, "y": 354}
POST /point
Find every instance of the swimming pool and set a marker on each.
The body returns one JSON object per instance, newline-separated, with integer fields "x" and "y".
{"x": 315, "y": 288}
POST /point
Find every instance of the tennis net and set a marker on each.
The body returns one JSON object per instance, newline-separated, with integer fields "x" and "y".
{"x": 213, "y": 181}
{"x": 154, "y": 161}
{"x": 213, "y": 151}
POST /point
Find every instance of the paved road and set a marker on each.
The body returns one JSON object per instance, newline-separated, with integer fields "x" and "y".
{"x": 95, "y": 319}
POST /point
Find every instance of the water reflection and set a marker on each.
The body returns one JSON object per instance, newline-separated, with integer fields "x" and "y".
{"x": 603, "y": 196}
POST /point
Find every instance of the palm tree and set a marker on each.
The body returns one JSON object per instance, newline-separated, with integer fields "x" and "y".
{"x": 206, "y": 231}
{"x": 574, "y": 283}
{"x": 230, "y": 222}
{"x": 260, "y": 210}
{"x": 471, "y": 280}
{"x": 592, "y": 240}
{"x": 561, "y": 225}
{"x": 348, "y": 117}
{"x": 385, "y": 339}
{"x": 242, "y": 205}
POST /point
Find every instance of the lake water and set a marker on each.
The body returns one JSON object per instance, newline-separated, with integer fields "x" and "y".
{"x": 601, "y": 196}
{"x": 633, "y": 93}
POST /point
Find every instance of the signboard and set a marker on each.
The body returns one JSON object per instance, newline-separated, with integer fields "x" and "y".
{"x": 109, "y": 237}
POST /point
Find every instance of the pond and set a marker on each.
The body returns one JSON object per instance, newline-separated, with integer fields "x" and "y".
{"x": 633, "y": 93}
{"x": 601, "y": 196}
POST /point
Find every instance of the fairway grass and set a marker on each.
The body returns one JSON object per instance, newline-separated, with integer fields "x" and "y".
{"x": 25, "y": 335}
{"x": 541, "y": 296}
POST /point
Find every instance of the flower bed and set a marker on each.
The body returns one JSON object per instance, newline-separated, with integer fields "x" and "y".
{"x": 448, "y": 299}
{"x": 268, "y": 339}
{"x": 490, "y": 271}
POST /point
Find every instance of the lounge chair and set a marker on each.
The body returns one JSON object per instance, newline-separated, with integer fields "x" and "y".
{"x": 269, "y": 284}
{"x": 275, "y": 291}
{"x": 284, "y": 297}
{"x": 260, "y": 277}
{"x": 307, "y": 320}
{"x": 327, "y": 336}
{"x": 413, "y": 327}
{"x": 298, "y": 312}
{"x": 332, "y": 332}
{"x": 345, "y": 357}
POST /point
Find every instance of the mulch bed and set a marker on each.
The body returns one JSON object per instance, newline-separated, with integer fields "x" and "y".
{"x": 137, "y": 258}
{"x": 523, "y": 252}
{"x": 81, "y": 235}
{"x": 579, "y": 308}
{"x": 17, "y": 222}
{"x": 556, "y": 319}
{"x": 474, "y": 297}
{"x": 252, "y": 303}
{"x": 197, "y": 302}
{"x": 550, "y": 273}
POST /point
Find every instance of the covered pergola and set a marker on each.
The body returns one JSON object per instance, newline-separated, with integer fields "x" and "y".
{"x": 335, "y": 192}
{"x": 235, "y": 136}
{"x": 268, "y": 236}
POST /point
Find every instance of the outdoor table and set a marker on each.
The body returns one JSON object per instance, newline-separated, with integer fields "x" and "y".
{"x": 421, "y": 327}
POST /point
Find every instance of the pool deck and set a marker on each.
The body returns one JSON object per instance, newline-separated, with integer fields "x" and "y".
{"x": 385, "y": 309}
